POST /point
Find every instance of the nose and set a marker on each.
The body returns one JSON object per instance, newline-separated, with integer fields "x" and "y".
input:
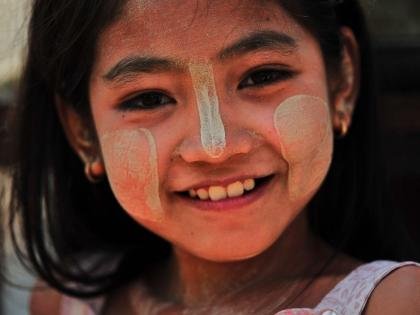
{"x": 211, "y": 144}
{"x": 212, "y": 130}
{"x": 238, "y": 142}
{"x": 236, "y": 136}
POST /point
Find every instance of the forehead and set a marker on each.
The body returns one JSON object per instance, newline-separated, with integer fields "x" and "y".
{"x": 189, "y": 29}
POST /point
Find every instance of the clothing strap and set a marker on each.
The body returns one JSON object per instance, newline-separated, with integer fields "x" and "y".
{"x": 349, "y": 296}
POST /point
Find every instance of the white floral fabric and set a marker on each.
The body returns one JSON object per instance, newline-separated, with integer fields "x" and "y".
{"x": 348, "y": 297}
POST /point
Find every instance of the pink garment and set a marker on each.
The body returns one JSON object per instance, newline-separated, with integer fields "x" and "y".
{"x": 348, "y": 297}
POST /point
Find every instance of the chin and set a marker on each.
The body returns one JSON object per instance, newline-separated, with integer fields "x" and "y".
{"x": 234, "y": 250}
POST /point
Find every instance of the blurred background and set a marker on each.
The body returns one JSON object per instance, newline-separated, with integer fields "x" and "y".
{"x": 14, "y": 292}
{"x": 395, "y": 27}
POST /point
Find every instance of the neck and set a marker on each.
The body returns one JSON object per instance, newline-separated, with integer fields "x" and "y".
{"x": 295, "y": 256}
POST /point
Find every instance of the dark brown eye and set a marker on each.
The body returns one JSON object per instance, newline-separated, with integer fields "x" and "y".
{"x": 265, "y": 77}
{"x": 146, "y": 101}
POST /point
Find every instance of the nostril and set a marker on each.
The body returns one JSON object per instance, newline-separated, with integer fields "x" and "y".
{"x": 238, "y": 142}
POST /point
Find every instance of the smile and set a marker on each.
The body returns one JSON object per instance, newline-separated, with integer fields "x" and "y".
{"x": 216, "y": 193}
{"x": 232, "y": 190}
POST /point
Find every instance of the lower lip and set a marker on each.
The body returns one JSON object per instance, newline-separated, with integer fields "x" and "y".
{"x": 230, "y": 203}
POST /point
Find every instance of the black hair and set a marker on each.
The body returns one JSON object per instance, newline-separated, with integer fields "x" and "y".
{"x": 355, "y": 218}
{"x": 64, "y": 219}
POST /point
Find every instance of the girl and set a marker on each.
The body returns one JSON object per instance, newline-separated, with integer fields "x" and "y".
{"x": 197, "y": 157}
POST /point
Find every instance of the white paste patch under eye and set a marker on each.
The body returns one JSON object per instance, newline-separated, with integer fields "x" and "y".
{"x": 212, "y": 130}
{"x": 303, "y": 125}
{"x": 131, "y": 163}
{"x": 152, "y": 189}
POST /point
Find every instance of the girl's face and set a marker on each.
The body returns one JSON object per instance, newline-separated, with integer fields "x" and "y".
{"x": 213, "y": 120}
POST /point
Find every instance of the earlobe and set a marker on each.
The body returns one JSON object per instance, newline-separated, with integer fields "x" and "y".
{"x": 347, "y": 89}
{"x": 80, "y": 138}
{"x": 94, "y": 171}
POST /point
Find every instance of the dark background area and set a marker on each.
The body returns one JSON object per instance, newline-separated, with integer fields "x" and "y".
{"x": 395, "y": 27}
{"x": 398, "y": 77}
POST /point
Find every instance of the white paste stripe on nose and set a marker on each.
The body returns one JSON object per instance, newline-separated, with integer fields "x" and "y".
{"x": 212, "y": 130}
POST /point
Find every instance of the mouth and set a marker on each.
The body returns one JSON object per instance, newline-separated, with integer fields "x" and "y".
{"x": 218, "y": 195}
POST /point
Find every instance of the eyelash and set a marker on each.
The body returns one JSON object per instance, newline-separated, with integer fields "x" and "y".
{"x": 255, "y": 79}
{"x": 154, "y": 99}
{"x": 265, "y": 77}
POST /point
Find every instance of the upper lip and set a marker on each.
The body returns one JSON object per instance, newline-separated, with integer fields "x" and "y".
{"x": 221, "y": 181}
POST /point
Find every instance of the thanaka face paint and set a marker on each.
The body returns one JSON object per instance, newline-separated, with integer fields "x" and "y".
{"x": 130, "y": 158}
{"x": 212, "y": 130}
{"x": 303, "y": 125}
{"x": 274, "y": 144}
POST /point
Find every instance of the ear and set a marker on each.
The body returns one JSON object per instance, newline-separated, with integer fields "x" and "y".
{"x": 80, "y": 135}
{"x": 346, "y": 88}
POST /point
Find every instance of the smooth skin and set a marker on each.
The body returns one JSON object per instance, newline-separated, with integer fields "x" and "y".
{"x": 257, "y": 258}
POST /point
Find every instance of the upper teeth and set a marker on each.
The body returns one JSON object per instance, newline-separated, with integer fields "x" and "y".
{"x": 216, "y": 193}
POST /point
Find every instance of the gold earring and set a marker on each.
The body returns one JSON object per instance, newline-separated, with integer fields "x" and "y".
{"x": 344, "y": 127}
{"x": 91, "y": 171}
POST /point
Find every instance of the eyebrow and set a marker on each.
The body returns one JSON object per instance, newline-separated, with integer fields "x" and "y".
{"x": 132, "y": 65}
{"x": 261, "y": 40}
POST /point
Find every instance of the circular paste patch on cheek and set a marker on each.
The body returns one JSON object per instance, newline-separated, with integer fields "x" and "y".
{"x": 131, "y": 164}
{"x": 303, "y": 125}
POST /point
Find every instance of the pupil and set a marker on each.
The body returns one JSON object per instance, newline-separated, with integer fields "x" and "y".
{"x": 151, "y": 99}
{"x": 264, "y": 76}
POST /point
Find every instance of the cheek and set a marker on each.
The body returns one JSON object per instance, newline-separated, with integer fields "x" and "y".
{"x": 130, "y": 158}
{"x": 304, "y": 129}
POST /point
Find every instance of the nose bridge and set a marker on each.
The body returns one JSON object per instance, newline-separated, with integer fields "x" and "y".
{"x": 212, "y": 129}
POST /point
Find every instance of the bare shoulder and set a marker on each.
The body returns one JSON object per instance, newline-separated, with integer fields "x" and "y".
{"x": 44, "y": 300}
{"x": 398, "y": 293}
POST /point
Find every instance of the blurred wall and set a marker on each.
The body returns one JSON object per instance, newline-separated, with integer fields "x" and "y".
{"x": 14, "y": 294}
{"x": 13, "y": 16}
{"x": 393, "y": 18}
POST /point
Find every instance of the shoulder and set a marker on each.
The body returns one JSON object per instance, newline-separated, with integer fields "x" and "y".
{"x": 379, "y": 287}
{"x": 397, "y": 293}
{"x": 44, "y": 300}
